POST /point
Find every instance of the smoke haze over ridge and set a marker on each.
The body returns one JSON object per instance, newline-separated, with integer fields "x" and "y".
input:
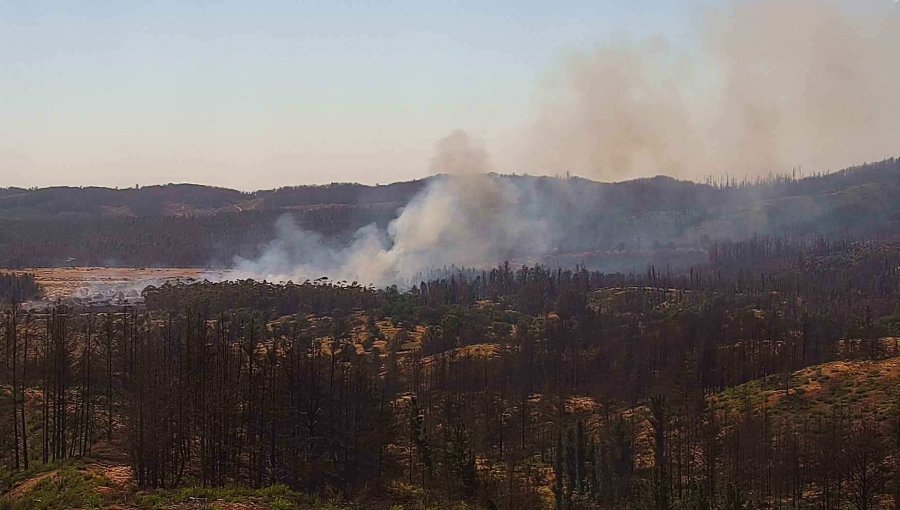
{"x": 774, "y": 86}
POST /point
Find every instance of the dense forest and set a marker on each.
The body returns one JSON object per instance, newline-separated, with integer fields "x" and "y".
{"x": 608, "y": 226}
{"x": 765, "y": 378}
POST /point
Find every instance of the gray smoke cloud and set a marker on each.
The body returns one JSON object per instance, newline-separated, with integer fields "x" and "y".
{"x": 460, "y": 154}
{"x": 774, "y": 85}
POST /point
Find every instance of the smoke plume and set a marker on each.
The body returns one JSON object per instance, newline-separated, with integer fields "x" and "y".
{"x": 774, "y": 85}
{"x": 465, "y": 217}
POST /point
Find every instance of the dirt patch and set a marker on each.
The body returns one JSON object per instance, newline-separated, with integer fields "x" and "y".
{"x": 119, "y": 476}
{"x": 19, "y": 490}
{"x": 237, "y": 506}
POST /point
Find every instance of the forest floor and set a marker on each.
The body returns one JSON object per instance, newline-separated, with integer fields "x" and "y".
{"x": 105, "y": 480}
{"x": 92, "y": 484}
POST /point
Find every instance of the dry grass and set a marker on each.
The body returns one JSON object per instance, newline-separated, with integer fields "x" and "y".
{"x": 64, "y": 282}
{"x": 864, "y": 388}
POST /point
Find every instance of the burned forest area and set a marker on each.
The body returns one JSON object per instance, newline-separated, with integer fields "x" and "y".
{"x": 764, "y": 375}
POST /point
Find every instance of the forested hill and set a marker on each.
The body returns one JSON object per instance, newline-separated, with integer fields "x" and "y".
{"x": 193, "y": 225}
{"x": 191, "y": 199}
{"x": 199, "y": 200}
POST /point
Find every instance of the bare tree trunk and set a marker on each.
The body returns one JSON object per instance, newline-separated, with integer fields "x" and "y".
{"x": 109, "y": 356}
{"x": 45, "y": 415}
{"x": 13, "y": 342}
{"x": 24, "y": 385}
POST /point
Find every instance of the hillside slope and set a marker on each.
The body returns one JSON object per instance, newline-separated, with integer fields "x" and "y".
{"x": 866, "y": 390}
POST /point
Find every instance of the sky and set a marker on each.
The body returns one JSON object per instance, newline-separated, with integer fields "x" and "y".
{"x": 255, "y": 95}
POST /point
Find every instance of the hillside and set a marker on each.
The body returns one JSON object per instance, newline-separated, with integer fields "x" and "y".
{"x": 191, "y": 199}
{"x": 525, "y": 387}
{"x": 640, "y": 196}
{"x": 863, "y": 389}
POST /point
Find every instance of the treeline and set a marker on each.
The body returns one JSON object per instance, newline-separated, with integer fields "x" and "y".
{"x": 273, "y": 299}
{"x": 18, "y": 287}
{"x": 528, "y": 387}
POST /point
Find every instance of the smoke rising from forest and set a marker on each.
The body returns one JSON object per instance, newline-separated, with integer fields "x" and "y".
{"x": 466, "y": 217}
{"x": 776, "y": 85}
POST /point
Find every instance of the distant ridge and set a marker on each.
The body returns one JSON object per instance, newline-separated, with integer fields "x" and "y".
{"x": 200, "y": 226}
{"x": 200, "y": 200}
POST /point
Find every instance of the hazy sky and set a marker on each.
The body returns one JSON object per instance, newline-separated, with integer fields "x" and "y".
{"x": 261, "y": 94}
